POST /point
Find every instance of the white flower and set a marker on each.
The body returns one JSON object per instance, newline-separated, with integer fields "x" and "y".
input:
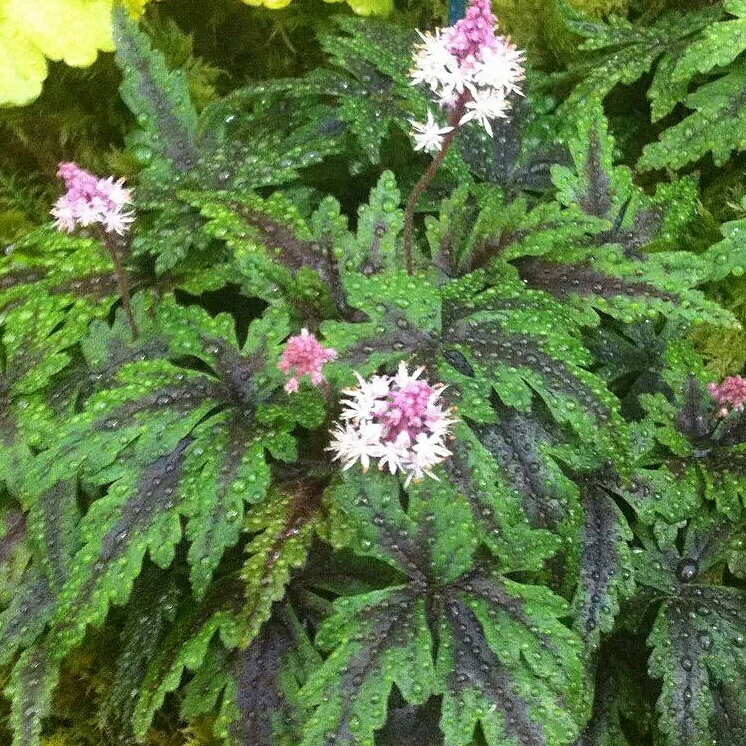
{"x": 403, "y": 377}
{"x": 485, "y": 105}
{"x": 429, "y": 136}
{"x": 395, "y": 419}
{"x": 90, "y": 211}
{"x": 352, "y": 444}
{"x": 467, "y": 65}
{"x": 433, "y": 63}
{"x": 64, "y": 214}
{"x": 500, "y": 69}
{"x": 362, "y": 400}
{"x": 427, "y": 451}
{"x": 116, "y": 221}
{"x": 115, "y": 191}
{"x": 395, "y": 454}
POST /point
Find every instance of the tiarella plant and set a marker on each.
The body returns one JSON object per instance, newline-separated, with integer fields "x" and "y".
{"x": 282, "y": 469}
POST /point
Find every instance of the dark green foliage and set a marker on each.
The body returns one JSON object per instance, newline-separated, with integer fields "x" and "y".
{"x": 176, "y": 539}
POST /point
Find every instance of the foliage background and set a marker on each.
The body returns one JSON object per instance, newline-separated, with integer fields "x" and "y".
{"x": 649, "y": 97}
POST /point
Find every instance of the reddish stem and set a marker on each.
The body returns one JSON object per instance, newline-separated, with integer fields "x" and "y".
{"x": 122, "y": 280}
{"x": 419, "y": 188}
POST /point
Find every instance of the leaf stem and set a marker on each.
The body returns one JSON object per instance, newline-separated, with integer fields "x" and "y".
{"x": 419, "y": 188}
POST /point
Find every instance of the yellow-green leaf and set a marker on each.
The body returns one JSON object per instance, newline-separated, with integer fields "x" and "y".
{"x": 361, "y": 7}
{"x": 32, "y": 31}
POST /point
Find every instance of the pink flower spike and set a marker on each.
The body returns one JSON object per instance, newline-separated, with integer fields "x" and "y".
{"x": 474, "y": 33}
{"x": 466, "y": 66}
{"x": 78, "y": 181}
{"x": 90, "y": 200}
{"x": 730, "y": 393}
{"x": 397, "y": 420}
{"x": 304, "y": 355}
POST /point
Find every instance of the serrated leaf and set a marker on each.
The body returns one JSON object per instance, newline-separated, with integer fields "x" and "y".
{"x": 27, "y": 615}
{"x": 32, "y": 682}
{"x": 151, "y": 607}
{"x": 497, "y": 510}
{"x": 240, "y": 475}
{"x": 715, "y": 126}
{"x": 159, "y": 98}
{"x": 521, "y": 445}
{"x": 137, "y": 515}
{"x": 629, "y": 50}
{"x": 720, "y": 44}
{"x": 620, "y": 707}
{"x": 268, "y": 674}
{"x": 605, "y": 564}
{"x": 380, "y": 222}
{"x": 479, "y": 669}
{"x": 185, "y": 646}
{"x": 284, "y": 529}
{"x": 351, "y": 707}
{"x": 483, "y": 673}
{"x": 694, "y": 652}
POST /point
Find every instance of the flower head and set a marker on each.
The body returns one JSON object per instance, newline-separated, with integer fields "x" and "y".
{"x": 90, "y": 200}
{"x": 467, "y": 64}
{"x": 397, "y": 420}
{"x": 304, "y": 355}
{"x": 731, "y": 393}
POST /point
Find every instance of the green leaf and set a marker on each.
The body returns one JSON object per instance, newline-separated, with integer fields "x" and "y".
{"x": 715, "y": 126}
{"x": 505, "y": 661}
{"x": 267, "y": 679}
{"x": 27, "y": 615}
{"x": 137, "y": 515}
{"x": 32, "y": 682}
{"x": 605, "y": 564}
{"x": 283, "y": 530}
{"x": 379, "y": 225}
{"x": 621, "y": 710}
{"x": 698, "y": 657}
{"x": 151, "y": 608}
{"x": 377, "y": 648}
{"x": 159, "y": 98}
{"x": 498, "y": 504}
{"x": 628, "y": 51}
{"x": 186, "y": 645}
{"x": 508, "y": 682}
{"x": 240, "y": 475}
{"x": 720, "y": 44}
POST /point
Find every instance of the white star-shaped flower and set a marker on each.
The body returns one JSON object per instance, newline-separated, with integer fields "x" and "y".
{"x": 428, "y": 136}
{"x": 352, "y": 444}
{"x": 433, "y": 63}
{"x": 501, "y": 69}
{"x": 484, "y": 106}
{"x": 117, "y": 221}
{"x": 395, "y": 453}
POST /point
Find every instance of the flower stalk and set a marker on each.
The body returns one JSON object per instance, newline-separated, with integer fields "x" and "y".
{"x": 471, "y": 72}
{"x": 91, "y": 201}
{"x": 419, "y": 188}
{"x": 112, "y": 247}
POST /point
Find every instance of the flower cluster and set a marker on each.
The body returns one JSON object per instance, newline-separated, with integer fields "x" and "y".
{"x": 304, "y": 355}
{"x": 467, "y": 63}
{"x": 395, "y": 419}
{"x": 90, "y": 200}
{"x": 731, "y": 393}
